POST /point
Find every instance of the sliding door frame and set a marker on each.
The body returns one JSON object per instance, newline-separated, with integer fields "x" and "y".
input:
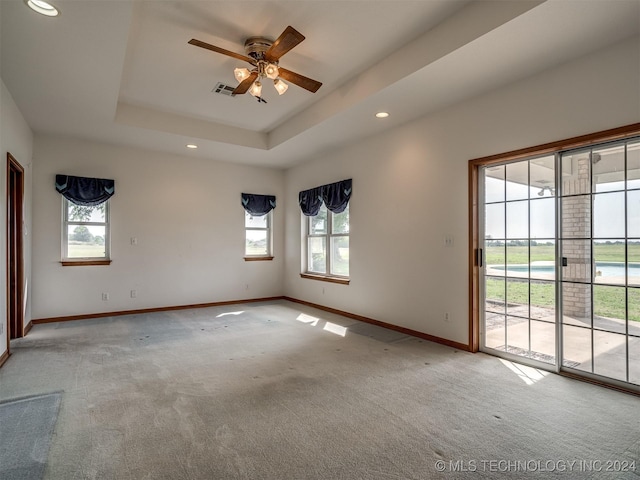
{"x": 475, "y": 242}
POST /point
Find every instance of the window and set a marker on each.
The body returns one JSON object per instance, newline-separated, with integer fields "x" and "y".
{"x": 85, "y": 232}
{"x": 328, "y": 243}
{"x": 257, "y": 236}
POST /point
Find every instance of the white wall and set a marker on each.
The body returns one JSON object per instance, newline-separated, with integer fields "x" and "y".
{"x": 185, "y": 213}
{"x": 410, "y": 188}
{"x": 15, "y": 138}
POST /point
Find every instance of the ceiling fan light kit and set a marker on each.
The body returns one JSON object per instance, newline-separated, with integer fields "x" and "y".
{"x": 241, "y": 73}
{"x": 280, "y": 86}
{"x": 264, "y": 55}
{"x": 271, "y": 71}
{"x": 256, "y": 89}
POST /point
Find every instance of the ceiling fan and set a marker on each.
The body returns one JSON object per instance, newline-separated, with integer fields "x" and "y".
{"x": 264, "y": 55}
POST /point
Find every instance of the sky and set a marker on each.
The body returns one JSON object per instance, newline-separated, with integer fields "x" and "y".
{"x": 608, "y": 212}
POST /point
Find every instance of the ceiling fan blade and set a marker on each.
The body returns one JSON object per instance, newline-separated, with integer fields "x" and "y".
{"x": 229, "y": 53}
{"x": 245, "y": 84}
{"x": 300, "y": 80}
{"x": 285, "y": 42}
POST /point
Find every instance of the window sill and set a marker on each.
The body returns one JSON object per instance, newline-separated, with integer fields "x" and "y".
{"x": 258, "y": 259}
{"x": 326, "y": 278}
{"x": 84, "y": 263}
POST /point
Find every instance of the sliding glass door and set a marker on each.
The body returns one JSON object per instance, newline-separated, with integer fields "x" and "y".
{"x": 560, "y": 276}
{"x": 519, "y": 234}
{"x": 600, "y": 238}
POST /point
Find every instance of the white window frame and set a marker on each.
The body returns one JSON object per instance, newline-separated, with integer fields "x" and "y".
{"x": 66, "y": 223}
{"x": 328, "y": 236}
{"x": 268, "y": 229}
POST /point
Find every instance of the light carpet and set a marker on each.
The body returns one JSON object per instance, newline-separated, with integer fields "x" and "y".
{"x": 282, "y": 391}
{"x": 26, "y": 425}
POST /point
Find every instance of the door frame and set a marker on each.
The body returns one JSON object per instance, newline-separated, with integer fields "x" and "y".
{"x": 15, "y": 249}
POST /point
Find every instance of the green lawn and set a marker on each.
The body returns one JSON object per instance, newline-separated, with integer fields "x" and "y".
{"x": 607, "y": 301}
{"x": 542, "y": 293}
{"x": 255, "y": 250}
{"x": 519, "y": 254}
{"x": 85, "y": 250}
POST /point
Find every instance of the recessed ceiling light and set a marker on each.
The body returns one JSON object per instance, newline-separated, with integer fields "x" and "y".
{"x": 382, "y": 115}
{"x": 191, "y": 145}
{"x": 42, "y": 7}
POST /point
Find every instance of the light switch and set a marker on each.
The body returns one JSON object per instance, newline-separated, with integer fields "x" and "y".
{"x": 448, "y": 240}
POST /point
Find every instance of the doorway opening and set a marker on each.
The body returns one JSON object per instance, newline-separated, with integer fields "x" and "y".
{"x": 15, "y": 258}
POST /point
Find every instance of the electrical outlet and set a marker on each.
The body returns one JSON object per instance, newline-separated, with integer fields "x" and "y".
{"x": 134, "y": 293}
{"x": 105, "y": 297}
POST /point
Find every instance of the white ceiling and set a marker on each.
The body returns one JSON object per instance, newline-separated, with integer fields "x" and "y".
{"x": 122, "y": 71}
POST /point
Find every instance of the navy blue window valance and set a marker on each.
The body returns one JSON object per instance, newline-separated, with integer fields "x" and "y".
{"x": 334, "y": 195}
{"x": 84, "y": 191}
{"x": 258, "y": 205}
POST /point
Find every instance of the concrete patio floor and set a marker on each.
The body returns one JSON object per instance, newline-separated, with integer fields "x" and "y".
{"x": 609, "y": 349}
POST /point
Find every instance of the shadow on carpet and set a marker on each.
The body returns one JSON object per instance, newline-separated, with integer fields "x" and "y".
{"x": 26, "y": 425}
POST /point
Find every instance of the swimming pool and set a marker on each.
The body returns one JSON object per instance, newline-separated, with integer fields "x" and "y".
{"x": 606, "y": 269}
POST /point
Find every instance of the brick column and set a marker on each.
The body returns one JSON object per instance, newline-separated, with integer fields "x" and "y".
{"x": 576, "y": 223}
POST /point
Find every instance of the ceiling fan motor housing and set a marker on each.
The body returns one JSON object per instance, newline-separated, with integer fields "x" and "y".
{"x": 256, "y": 47}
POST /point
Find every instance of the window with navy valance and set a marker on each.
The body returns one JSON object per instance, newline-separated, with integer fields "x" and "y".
{"x": 334, "y": 195}
{"x": 258, "y": 205}
{"x": 84, "y": 191}
{"x": 310, "y": 201}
